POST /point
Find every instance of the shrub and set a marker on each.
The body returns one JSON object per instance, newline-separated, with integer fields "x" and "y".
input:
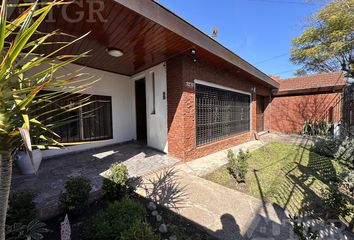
{"x": 312, "y": 128}
{"x": 115, "y": 219}
{"x": 76, "y": 198}
{"x": 341, "y": 149}
{"x": 347, "y": 182}
{"x": 139, "y": 230}
{"x": 116, "y": 183}
{"x": 326, "y": 146}
{"x": 302, "y": 231}
{"x": 345, "y": 151}
{"x": 33, "y": 230}
{"x": 237, "y": 166}
{"x": 22, "y": 209}
{"x": 335, "y": 204}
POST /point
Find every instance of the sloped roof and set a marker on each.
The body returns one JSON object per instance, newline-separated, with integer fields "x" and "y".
{"x": 312, "y": 81}
{"x": 168, "y": 20}
{"x": 311, "y": 84}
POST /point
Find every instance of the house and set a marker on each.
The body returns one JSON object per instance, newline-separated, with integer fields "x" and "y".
{"x": 307, "y": 98}
{"x": 164, "y": 82}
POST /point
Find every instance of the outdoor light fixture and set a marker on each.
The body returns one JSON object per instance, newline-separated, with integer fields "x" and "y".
{"x": 194, "y": 53}
{"x": 114, "y": 52}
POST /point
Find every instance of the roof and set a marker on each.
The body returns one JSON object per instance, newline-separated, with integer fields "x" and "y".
{"x": 169, "y": 20}
{"x": 332, "y": 81}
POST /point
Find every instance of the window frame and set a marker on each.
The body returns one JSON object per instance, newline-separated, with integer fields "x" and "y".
{"x": 217, "y": 86}
{"x": 82, "y": 133}
{"x": 81, "y": 119}
{"x": 153, "y": 93}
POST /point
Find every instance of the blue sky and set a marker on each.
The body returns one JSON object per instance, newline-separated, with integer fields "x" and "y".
{"x": 256, "y": 30}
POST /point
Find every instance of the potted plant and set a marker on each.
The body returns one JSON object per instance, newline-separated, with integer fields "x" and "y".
{"x": 25, "y": 163}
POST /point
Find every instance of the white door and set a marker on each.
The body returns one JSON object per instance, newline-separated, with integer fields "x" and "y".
{"x": 156, "y": 107}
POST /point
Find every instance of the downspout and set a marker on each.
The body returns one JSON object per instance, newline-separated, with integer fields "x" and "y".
{"x": 270, "y": 113}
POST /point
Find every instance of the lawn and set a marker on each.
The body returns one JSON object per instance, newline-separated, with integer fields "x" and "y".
{"x": 291, "y": 176}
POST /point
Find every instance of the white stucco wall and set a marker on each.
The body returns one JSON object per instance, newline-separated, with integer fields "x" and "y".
{"x": 156, "y": 123}
{"x": 121, "y": 89}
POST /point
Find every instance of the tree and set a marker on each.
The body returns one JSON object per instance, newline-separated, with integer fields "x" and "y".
{"x": 24, "y": 74}
{"x": 300, "y": 72}
{"x": 327, "y": 44}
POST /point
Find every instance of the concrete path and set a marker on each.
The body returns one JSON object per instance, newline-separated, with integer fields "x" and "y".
{"x": 225, "y": 213}
{"x": 210, "y": 163}
{"x": 287, "y": 138}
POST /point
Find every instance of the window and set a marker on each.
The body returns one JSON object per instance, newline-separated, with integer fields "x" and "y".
{"x": 220, "y": 113}
{"x": 92, "y": 121}
{"x": 153, "y": 93}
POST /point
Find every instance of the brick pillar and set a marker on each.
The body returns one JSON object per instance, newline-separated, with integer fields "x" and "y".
{"x": 175, "y": 107}
{"x": 181, "y": 107}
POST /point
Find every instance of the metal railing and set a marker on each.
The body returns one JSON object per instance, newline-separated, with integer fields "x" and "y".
{"x": 347, "y": 118}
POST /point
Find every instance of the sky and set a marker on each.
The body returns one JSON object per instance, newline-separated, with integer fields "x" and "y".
{"x": 259, "y": 31}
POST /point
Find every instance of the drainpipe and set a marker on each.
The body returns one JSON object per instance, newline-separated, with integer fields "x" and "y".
{"x": 270, "y": 113}
{"x": 270, "y": 100}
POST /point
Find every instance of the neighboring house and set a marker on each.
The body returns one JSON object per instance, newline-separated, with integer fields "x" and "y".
{"x": 307, "y": 98}
{"x": 173, "y": 87}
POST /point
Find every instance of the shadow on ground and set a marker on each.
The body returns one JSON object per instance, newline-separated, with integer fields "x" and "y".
{"x": 301, "y": 193}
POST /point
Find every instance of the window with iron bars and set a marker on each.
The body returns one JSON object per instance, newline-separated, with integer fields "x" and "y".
{"x": 220, "y": 113}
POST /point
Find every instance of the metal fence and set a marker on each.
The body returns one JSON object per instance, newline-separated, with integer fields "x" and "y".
{"x": 348, "y": 111}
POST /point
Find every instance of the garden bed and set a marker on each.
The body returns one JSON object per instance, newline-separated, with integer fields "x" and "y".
{"x": 180, "y": 227}
{"x": 120, "y": 214}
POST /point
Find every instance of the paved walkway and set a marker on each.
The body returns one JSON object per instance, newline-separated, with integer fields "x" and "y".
{"x": 53, "y": 173}
{"x": 287, "y": 138}
{"x": 210, "y": 163}
{"x": 225, "y": 213}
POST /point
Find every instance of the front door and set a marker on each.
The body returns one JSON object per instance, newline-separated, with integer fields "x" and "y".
{"x": 260, "y": 114}
{"x": 140, "y": 106}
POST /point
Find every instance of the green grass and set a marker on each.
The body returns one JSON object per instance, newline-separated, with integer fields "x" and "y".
{"x": 291, "y": 176}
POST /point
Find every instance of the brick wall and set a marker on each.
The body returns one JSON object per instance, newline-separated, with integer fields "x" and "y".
{"x": 267, "y": 113}
{"x": 181, "y": 73}
{"x": 289, "y": 113}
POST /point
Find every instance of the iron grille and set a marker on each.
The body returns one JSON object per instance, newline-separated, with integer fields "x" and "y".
{"x": 220, "y": 113}
{"x": 348, "y": 111}
{"x": 91, "y": 122}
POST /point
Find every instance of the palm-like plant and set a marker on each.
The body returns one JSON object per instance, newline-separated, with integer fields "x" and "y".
{"x": 24, "y": 74}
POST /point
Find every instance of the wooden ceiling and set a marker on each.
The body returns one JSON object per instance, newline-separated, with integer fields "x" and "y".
{"x": 141, "y": 29}
{"x": 143, "y": 42}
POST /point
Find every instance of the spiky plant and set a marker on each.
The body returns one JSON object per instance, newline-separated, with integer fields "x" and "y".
{"x": 24, "y": 74}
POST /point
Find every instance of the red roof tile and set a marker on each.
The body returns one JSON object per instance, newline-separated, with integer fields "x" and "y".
{"x": 312, "y": 81}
